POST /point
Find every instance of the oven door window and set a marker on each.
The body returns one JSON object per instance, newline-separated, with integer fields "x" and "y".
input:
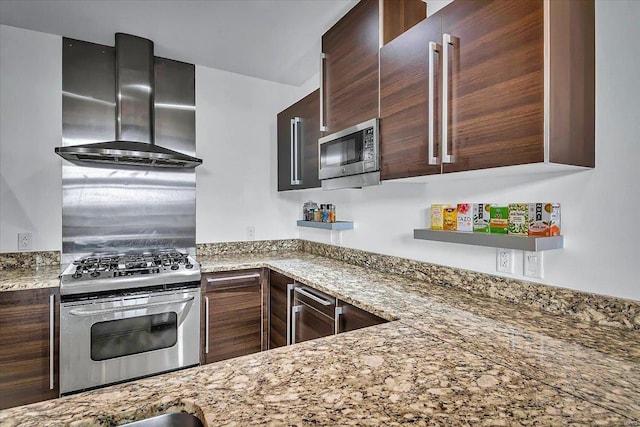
{"x": 343, "y": 151}
{"x": 123, "y": 337}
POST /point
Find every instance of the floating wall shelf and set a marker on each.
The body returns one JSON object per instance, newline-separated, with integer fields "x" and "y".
{"x": 338, "y": 225}
{"x": 523, "y": 243}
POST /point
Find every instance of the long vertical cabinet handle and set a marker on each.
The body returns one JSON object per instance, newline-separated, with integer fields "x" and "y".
{"x": 294, "y": 310}
{"x": 434, "y": 48}
{"x": 51, "y": 339}
{"x": 294, "y": 151}
{"x": 206, "y": 325}
{"x": 322, "y": 125}
{"x": 446, "y": 45}
{"x": 290, "y": 288}
{"x": 339, "y": 311}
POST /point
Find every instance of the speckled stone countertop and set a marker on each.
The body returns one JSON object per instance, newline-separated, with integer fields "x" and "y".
{"x": 451, "y": 359}
{"x": 29, "y": 278}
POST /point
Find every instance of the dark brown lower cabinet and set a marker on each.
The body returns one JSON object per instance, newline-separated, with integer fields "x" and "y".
{"x": 29, "y": 337}
{"x": 352, "y": 318}
{"x": 280, "y": 298}
{"x": 300, "y": 313}
{"x": 313, "y": 315}
{"x": 233, "y": 314}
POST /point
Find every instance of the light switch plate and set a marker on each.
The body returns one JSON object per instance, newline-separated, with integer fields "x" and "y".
{"x": 25, "y": 241}
{"x": 533, "y": 265}
{"x": 251, "y": 233}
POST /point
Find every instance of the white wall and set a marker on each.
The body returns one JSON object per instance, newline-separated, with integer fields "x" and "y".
{"x": 236, "y": 138}
{"x": 30, "y": 128}
{"x": 599, "y": 207}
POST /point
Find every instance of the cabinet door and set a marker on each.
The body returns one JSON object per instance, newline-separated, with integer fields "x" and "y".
{"x": 350, "y": 68}
{"x": 494, "y": 101}
{"x": 313, "y": 315}
{"x": 405, "y": 102}
{"x": 352, "y": 318}
{"x": 305, "y": 133}
{"x": 309, "y": 324}
{"x": 280, "y": 294}
{"x": 28, "y": 338}
{"x": 233, "y": 314}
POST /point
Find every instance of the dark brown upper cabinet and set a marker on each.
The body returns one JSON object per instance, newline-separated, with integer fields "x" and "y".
{"x": 298, "y": 133}
{"x": 408, "y": 96}
{"x": 349, "y": 77}
{"x": 490, "y": 107}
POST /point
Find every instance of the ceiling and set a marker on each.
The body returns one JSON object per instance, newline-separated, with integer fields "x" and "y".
{"x": 276, "y": 40}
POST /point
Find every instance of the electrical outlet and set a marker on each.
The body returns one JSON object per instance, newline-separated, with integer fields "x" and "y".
{"x": 504, "y": 260}
{"x": 25, "y": 241}
{"x": 251, "y": 233}
{"x": 533, "y": 266}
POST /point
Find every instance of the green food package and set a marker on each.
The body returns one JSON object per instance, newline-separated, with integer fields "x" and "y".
{"x": 499, "y": 219}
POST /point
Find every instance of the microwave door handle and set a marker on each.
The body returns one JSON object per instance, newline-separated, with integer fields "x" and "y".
{"x": 80, "y": 312}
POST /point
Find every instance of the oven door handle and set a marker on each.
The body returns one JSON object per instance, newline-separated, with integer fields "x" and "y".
{"x": 80, "y": 312}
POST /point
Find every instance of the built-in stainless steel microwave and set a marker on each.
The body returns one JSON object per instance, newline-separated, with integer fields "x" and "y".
{"x": 350, "y": 158}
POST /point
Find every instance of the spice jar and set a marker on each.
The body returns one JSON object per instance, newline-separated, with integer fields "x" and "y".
{"x": 317, "y": 215}
{"x": 332, "y": 213}
{"x": 307, "y": 210}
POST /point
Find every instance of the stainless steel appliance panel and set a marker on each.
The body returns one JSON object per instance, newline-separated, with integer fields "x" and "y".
{"x": 352, "y": 151}
{"x": 134, "y": 83}
{"x": 117, "y": 210}
{"x": 108, "y": 340}
{"x": 88, "y": 92}
{"x": 109, "y": 209}
{"x": 175, "y": 105}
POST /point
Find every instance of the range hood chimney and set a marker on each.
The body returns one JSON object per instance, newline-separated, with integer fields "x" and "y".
{"x": 134, "y": 144}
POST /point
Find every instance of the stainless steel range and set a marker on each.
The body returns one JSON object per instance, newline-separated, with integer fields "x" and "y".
{"x": 128, "y": 315}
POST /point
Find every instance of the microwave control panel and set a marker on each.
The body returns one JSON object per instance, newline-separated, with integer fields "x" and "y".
{"x": 368, "y": 150}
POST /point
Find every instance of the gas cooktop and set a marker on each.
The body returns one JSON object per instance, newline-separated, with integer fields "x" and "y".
{"x": 102, "y": 272}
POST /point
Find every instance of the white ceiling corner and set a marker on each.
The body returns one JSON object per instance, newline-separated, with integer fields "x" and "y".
{"x": 277, "y": 40}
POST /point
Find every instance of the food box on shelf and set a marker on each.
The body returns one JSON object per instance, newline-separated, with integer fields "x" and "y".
{"x": 465, "y": 217}
{"x": 481, "y": 216}
{"x": 519, "y": 219}
{"x": 450, "y": 219}
{"x": 437, "y": 216}
{"x": 499, "y": 219}
{"x": 544, "y": 219}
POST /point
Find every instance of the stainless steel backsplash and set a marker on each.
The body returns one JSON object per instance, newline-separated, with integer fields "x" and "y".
{"x": 118, "y": 209}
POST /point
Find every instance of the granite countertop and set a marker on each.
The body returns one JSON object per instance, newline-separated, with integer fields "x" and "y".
{"x": 29, "y": 278}
{"x": 451, "y": 359}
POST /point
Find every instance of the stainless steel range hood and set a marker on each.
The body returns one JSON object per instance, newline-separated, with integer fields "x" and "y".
{"x": 134, "y": 144}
